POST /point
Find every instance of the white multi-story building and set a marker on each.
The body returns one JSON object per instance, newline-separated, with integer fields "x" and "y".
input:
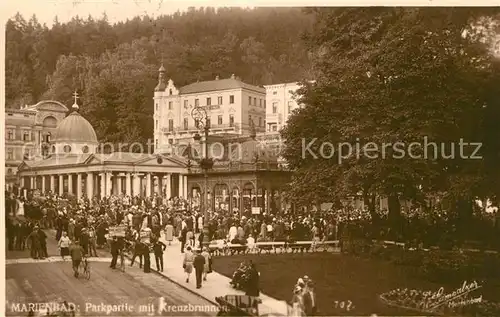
{"x": 231, "y": 106}
{"x": 281, "y": 100}
{"x": 28, "y": 134}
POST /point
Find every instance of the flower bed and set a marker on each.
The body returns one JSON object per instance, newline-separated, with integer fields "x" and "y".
{"x": 441, "y": 266}
{"x": 436, "y": 303}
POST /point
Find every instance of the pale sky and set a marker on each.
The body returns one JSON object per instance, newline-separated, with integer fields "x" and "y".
{"x": 120, "y": 10}
{"x": 117, "y": 10}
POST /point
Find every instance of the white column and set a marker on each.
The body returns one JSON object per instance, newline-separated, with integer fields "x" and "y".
{"x": 70, "y": 183}
{"x": 108, "y": 184}
{"x": 128, "y": 184}
{"x": 181, "y": 187}
{"x": 79, "y": 186}
{"x": 32, "y": 182}
{"x": 185, "y": 183}
{"x": 43, "y": 184}
{"x": 148, "y": 185}
{"x": 22, "y": 181}
{"x": 52, "y": 184}
{"x": 61, "y": 184}
{"x": 169, "y": 186}
{"x": 136, "y": 185}
{"x": 103, "y": 184}
{"x": 118, "y": 181}
{"x": 90, "y": 186}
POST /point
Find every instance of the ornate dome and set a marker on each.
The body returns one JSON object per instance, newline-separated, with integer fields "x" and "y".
{"x": 75, "y": 129}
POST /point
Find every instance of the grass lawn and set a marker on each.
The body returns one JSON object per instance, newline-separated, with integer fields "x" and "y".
{"x": 337, "y": 278}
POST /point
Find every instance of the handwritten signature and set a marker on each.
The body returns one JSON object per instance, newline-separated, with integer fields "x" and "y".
{"x": 439, "y": 298}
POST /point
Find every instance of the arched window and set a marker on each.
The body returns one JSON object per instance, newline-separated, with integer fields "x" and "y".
{"x": 53, "y": 149}
{"x": 50, "y": 122}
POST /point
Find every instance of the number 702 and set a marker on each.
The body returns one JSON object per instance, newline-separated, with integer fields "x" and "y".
{"x": 346, "y": 305}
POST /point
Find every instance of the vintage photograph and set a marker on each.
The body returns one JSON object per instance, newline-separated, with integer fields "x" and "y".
{"x": 165, "y": 159}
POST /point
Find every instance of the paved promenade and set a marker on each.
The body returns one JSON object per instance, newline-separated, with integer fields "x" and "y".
{"x": 216, "y": 284}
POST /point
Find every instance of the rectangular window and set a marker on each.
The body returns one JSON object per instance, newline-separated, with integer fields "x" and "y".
{"x": 26, "y": 136}
{"x": 249, "y": 118}
{"x": 275, "y": 107}
{"x": 231, "y": 99}
{"x": 275, "y": 128}
{"x": 10, "y": 155}
{"x": 260, "y": 103}
{"x": 170, "y": 105}
{"x": 171, "y": 125}
{"x": 219, "y": 120}
{"x": 156, "y": 144}
{"x": 249, "y": 101}
{"x": 186, "y": 123}
{"x": 209, "y": 123}
{"x": 255, "y": 101}
{"x": 219, "y": 100}
{"x": 275, "y": 92}
{"x": 156, "y": 106}
{"x": 209, "y": 101}
{"x": 156, "y": 125}
{"x": 185, "y": 104}
{"x": 10, "y": 134}
{"x": 231, "y": 120}
{"x": 260, "y": 122}
{"x": 197, "y": 102}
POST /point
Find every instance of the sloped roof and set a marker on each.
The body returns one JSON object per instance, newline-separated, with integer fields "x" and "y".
{"x": 116, "y": 157}
{"x": 54, "y": 160}
{"x": 219, "y": 84}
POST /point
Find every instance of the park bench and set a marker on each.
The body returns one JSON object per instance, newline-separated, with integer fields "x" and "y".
{"x": 302, "y": 246}
{"x": 238, "y": 305}
{"x": 233, "y": 248}
{"x": 325, "y": 245}
{"x": 270, "y": 246}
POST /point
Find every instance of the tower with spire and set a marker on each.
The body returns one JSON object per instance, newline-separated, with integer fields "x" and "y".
{"x": 166, "y": 105}
{"x": 162, "y": 84}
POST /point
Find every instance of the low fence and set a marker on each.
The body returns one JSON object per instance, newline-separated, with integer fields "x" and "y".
{"x": 404, "y": 246}
{"x": 275, "y": 247}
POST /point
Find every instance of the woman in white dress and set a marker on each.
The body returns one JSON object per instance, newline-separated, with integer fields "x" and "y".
{"x": 20, "y": 208}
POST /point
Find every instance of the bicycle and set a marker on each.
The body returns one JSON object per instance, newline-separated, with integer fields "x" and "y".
{"x": 86, "y": 268}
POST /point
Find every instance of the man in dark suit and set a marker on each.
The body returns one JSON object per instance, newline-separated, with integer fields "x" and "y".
{"x": 199, "y": 264}
{"x": 116, "y": 247}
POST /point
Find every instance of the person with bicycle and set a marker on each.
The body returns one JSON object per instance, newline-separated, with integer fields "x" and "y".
{"x": 76, "y": 252}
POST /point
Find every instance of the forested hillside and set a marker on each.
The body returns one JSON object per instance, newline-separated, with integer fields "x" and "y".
{"x": 114, "y": 67}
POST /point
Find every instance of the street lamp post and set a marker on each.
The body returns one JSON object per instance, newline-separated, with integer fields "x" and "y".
{"x": 200, "y": 116}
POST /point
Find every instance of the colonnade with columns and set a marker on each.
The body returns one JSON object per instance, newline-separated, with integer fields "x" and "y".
{"x": 107, "y": 183}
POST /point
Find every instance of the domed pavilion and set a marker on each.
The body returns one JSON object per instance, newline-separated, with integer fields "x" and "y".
{"x": 75, "y": 167}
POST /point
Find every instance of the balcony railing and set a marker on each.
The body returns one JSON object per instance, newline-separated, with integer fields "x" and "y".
{"x": 229, "y": 166}
{"x": 194, "y": 129}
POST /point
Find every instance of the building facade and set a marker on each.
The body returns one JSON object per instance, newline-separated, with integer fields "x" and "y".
{"x": 73, "y": 167}
{"x": 28, "y": 133}
{"x": 231, "y": 106}
{"x": 281, "y": 100}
